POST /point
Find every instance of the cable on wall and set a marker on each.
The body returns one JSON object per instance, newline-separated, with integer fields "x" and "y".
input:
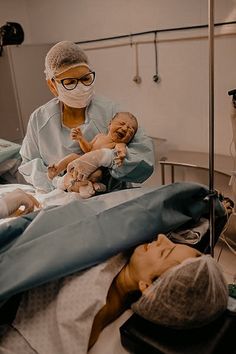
{"x": 137, "y": 78}
{"x": 157, "y": 31}
{"x": 156, "y": 77}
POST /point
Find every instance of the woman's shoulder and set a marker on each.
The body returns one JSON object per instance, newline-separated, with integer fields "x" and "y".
{"x": 48, "y": 109}
{"x": 102, "y": 103}
{"x": 100, "y": 100}
{"x": 43, "y": 113}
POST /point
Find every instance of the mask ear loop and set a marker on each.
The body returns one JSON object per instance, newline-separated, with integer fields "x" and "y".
{"x": 156, "y": 77}
{"x": 137, "y": 78}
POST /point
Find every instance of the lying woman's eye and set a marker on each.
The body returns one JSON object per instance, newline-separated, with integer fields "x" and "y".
{"x": 165, "y": 251}
{"x": 162, "y": 252}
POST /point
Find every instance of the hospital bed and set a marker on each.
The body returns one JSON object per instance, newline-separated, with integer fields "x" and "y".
{"x": 140, "y": 336}
{"x": 9, "y": 161}
{"x": 109, "y": 341}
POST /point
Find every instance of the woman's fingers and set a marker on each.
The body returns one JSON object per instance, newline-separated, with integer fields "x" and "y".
{"x": 29, "y": 204}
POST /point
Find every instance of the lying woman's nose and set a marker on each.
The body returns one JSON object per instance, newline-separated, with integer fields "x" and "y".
{"x": 163, "y": 239}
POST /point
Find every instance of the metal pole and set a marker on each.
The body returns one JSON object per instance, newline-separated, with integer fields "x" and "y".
{"x": 211, "y": 122}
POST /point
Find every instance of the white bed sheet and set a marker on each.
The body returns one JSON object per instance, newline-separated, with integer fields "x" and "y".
{"x": 60, "y": 197}
{"x": 109, "y": 340}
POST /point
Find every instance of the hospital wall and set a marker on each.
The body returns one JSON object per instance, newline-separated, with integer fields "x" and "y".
{"x": 176, "y": 108}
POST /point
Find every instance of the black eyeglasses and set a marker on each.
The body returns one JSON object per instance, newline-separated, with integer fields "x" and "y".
{"x": 70, "y": 83}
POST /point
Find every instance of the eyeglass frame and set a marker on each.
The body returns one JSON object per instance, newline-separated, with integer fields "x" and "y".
{"x": 75, "y": 78}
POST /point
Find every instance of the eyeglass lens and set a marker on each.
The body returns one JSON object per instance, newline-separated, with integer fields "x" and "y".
{"x": 71, "y": 83}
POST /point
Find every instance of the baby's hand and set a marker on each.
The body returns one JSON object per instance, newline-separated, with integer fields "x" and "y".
{"x": 75, "y": 133}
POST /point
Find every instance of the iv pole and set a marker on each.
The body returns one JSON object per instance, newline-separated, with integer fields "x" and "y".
{"x": 211, "y": 122}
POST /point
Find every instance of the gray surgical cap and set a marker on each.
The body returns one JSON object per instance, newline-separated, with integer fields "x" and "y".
{"x": 186, "y": 296}
{"x": 63, "y": 56}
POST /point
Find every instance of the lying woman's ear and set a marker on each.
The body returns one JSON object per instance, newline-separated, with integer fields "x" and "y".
{"x": 143, "y": 285}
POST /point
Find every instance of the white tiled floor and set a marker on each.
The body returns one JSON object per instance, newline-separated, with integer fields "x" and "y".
{"x": 227, "y": 260}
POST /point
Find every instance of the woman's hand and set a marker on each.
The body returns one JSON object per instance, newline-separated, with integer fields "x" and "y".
{"x": 17, "y": 198}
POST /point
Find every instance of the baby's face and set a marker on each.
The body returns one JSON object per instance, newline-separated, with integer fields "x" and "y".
{"x": 122, "y": 128}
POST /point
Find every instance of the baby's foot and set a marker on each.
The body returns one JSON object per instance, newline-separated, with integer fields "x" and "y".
{"x": 86, "y": 191}
{"x": 52, "y": 171}
{"x": 99, "y": 187}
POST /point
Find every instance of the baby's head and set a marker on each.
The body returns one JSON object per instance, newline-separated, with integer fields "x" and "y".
{"x": 123, "y": 127}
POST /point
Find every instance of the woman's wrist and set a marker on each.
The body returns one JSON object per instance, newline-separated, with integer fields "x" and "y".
{"x": 3, "y": 208}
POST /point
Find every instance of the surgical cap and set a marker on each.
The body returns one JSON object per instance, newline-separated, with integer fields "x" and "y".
{"x": 63, "y": 56}
{"x": 186, "y": 296}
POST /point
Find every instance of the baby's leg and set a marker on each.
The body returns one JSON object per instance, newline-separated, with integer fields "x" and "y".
{"x": 96, "y": 176}
{"x": 56, "y": 169}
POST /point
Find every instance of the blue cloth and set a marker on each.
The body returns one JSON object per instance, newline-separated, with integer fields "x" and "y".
{"x": 70, "y": 238}
{"x": 8, "y": 150}
{"x": 47, "y": 141}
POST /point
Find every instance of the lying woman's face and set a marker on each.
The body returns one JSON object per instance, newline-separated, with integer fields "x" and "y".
{"x": 150, "y": 260}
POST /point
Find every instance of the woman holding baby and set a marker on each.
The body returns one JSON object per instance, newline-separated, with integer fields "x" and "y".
{"x": 48, "y": 138}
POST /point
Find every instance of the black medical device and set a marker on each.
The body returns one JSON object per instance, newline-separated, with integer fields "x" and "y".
{"x": 232, "y": 93}
{"x": 140, "y": 336}
{"x": 232, "y": 290}
{"x": 11, "y": 33}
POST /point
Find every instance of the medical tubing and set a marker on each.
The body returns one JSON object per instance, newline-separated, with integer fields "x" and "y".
{"x": 211, "y": 121}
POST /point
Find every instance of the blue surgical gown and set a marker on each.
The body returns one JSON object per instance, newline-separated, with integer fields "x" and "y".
{"x": 47, "y": 141}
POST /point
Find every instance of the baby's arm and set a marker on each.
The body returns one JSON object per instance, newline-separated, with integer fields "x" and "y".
{"x": 55, "y": 169}
{"x": 76, "y": 135}
{"x": 120, "y": 153}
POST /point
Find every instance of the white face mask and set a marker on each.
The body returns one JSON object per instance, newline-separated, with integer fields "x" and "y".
{"x": 79, "y": 97}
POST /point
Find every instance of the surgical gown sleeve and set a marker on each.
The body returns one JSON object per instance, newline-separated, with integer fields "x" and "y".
{"x": 138, "y": 164}
{"x": 33, "y": 168}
